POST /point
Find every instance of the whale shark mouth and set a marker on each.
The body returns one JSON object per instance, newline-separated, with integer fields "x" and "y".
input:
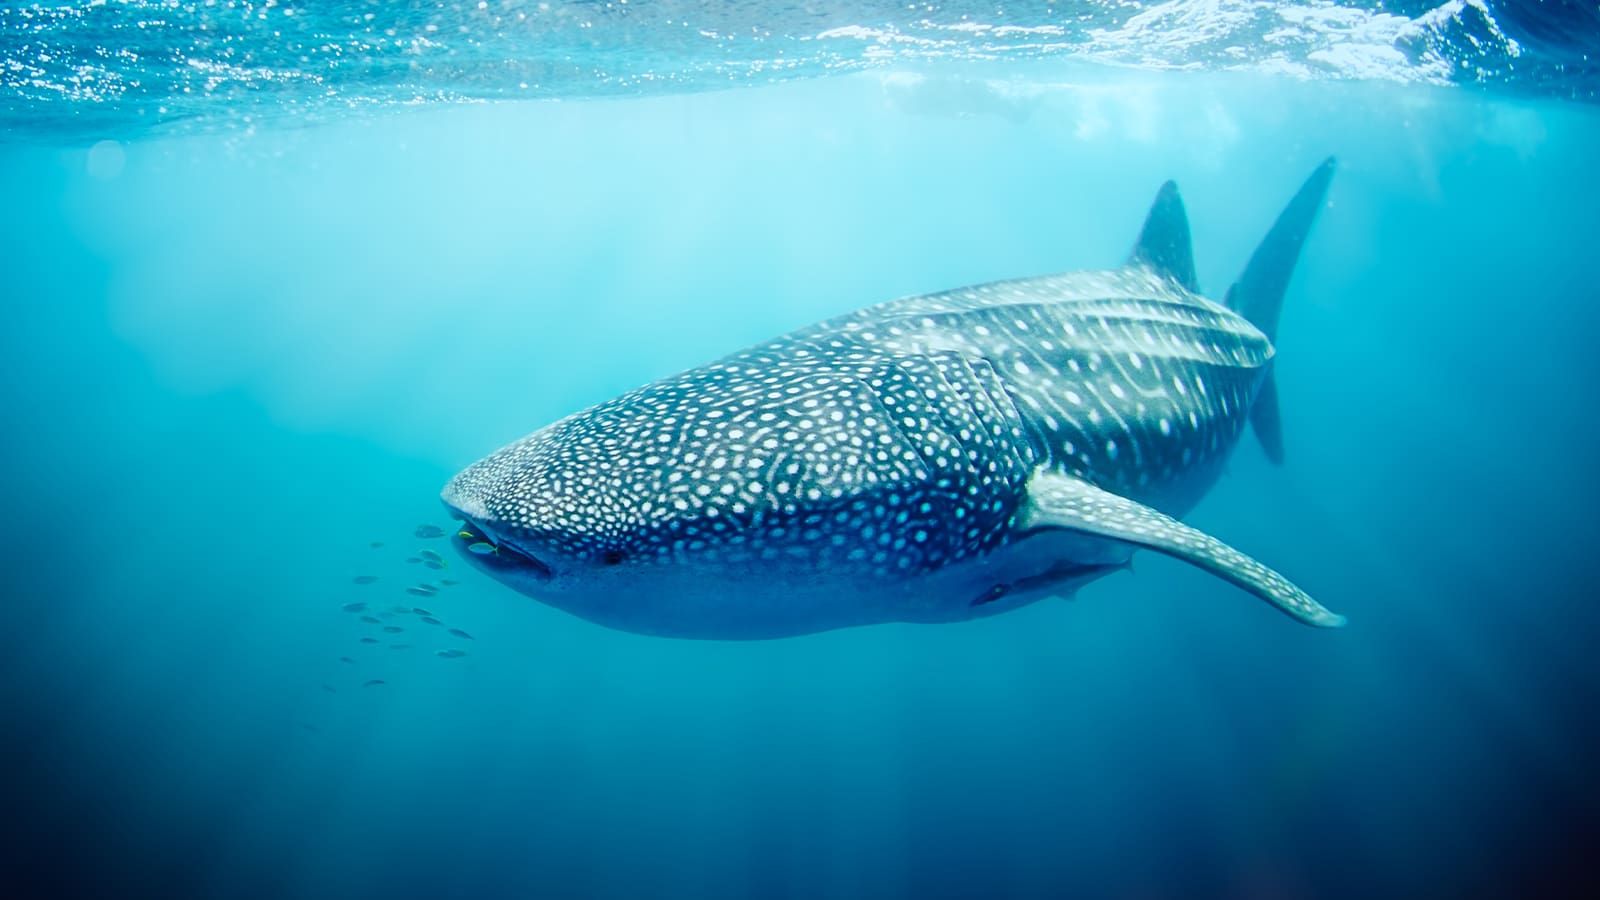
{"x": 479, "y": 544}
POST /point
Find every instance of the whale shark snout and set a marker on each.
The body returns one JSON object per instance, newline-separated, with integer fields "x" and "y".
{"x": 490, "y": 543}
{"x": 499, "y": 557}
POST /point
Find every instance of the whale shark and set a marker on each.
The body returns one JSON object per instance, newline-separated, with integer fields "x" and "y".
{"x": 929, "y": 459}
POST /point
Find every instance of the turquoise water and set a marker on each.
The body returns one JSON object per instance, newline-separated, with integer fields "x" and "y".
{"x": 241, "y": 352}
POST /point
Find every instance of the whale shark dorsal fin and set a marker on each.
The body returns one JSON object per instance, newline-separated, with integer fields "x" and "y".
{"x": 1059, "y": 501}
{"x": 1164, "y": 244}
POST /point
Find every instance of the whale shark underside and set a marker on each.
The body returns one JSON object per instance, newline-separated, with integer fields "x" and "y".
{"x": 929, "y": 459}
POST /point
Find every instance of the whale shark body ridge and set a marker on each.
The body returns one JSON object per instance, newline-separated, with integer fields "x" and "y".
{"x": 929, "y": 459}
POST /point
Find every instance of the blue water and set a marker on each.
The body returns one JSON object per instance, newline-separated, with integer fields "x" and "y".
{"x": 240, "y": 351}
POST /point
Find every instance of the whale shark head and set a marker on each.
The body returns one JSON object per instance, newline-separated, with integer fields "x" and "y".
{"x": 661, "y": 509}
{"x": 717, "y": 472}
{"x": 549, "y": 512}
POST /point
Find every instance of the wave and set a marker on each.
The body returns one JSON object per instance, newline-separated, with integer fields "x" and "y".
{"x": 117, "y": 68}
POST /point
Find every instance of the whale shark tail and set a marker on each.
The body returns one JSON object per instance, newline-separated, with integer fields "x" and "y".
{"x": 1258, "y": 294}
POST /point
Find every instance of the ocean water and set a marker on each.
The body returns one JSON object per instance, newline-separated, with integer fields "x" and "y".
{"x": 273, "y": 272}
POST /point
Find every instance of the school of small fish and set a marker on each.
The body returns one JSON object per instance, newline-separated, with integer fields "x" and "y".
{"x": 388, "y": 619}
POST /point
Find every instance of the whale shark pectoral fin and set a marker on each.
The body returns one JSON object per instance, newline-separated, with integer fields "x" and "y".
{"x": 1164, "y": 243}
{"x": 1057, "y": 501}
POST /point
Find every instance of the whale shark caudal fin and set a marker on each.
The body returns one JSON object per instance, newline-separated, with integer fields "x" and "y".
{"x": 1164, "y": 244}
{"x": 1058, "y": 501}
{"x": 1258, "y": 294}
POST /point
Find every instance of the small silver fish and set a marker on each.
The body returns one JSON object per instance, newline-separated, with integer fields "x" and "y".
{"x": 421, "y": 590}
{"x": 428, "y": 531}
{"x": 429, "y": 554}
{"x": 364, "y": 579}
{"x": 369, "y": 640}
{"x": 346, "y": 659}
{"x": 449, "y": 582}
{"x": 461, "y": 634}
{"x": 354, "y": 607}
{"x": 373, "y": 682}
{"x": 431, "y": 620}
{"x": 452, "y": 653}
{"x": 392, "y": 629}
{"x": 371, "y": 620}
{"x": 399, "y": 646}
{"x": 420, "y": 611}
{"x": 433, "y": 565}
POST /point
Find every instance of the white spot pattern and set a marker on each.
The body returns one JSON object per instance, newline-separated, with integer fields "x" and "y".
{"x": 893, "y": 440}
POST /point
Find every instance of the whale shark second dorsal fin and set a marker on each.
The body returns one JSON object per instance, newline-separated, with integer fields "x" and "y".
{"x": 1164, "y": 244}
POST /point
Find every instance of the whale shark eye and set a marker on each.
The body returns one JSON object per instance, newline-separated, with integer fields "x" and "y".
{"x": 612, "y": 557}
